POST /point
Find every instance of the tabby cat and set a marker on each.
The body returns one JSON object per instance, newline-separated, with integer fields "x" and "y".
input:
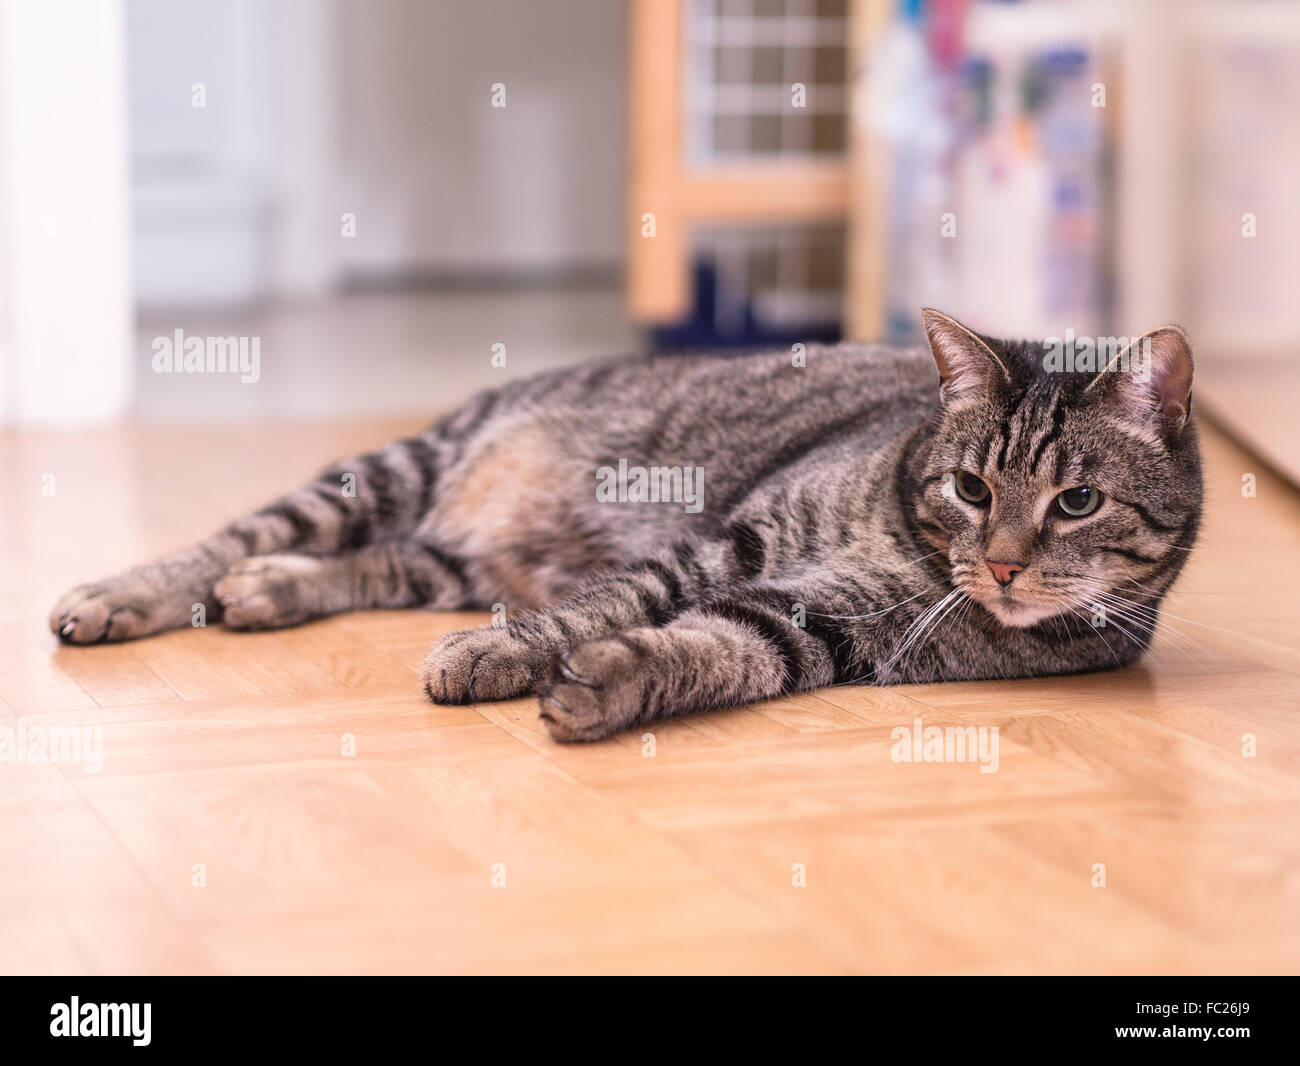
{"x": 852, "y": 525}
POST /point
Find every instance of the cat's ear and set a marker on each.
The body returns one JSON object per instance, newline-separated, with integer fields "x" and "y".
{"x": 1152, "y": 379}
{"x": 968, "y": 368}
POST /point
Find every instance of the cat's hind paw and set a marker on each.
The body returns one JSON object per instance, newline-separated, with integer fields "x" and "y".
{"x": 95, "y": 614}
{"x": 270, "y": 591}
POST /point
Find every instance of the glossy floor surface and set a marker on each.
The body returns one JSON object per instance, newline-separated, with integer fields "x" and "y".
{"x": 290, "y": 802}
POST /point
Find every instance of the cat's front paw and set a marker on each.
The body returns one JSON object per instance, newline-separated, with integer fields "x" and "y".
{"x": 118, "y": 609}
{"x": 482, "y": 664}
{"x": 594, "y": 690}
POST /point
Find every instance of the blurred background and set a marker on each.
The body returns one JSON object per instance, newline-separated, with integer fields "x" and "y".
{"x": 402, "y": 201}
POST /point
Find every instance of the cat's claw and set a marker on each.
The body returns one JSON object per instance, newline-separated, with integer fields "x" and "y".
{"x": 594, "y": 690}
{"x": 91, "y": 614}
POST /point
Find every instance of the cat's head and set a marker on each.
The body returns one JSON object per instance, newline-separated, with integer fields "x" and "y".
{"x": 1061, "y": 475}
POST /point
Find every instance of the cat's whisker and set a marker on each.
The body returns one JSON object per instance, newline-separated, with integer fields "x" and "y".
{"x": 913, "y": 632}
{"x": 1062, "y": 577}
{"x": 1149, "y": 589}
{"x": 1161, "y": 610}
{"x": 1144, "y": 645}
{"x": 1129, "y": 610}
{"x": 953, "y": 599}
{"x": 1073, "y": 609}
{"x": 1203, "y": 625}
{"x": 1098, "y": 590}
{"x": 910, "y": 635}
{"x": 1144, "y": 615}
{"x": 870, "y": 614}
{"x": 883, "y": 610}
{"x": 966, "y": 608}
{"x": 893, "y": 659}
{"x": 1115, "y": 610}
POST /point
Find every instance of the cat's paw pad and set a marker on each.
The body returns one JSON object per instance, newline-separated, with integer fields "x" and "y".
{"x": 482, "y": 664}
{"x": 92, "y": 614}
{"x": 269, "y": 591}
{"x": 594, "y": 690}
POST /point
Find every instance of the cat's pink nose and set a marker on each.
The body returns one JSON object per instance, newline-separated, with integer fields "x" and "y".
{"x": 1004, "y": 573}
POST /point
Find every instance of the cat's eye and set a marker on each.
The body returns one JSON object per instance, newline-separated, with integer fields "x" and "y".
{"x": 1077, "y": 502}
{"x": 971, "y": 488}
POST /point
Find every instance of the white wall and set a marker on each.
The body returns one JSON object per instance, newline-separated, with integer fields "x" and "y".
{"x": 439, "y": 179}
{"x": 65, "y": 289}
{"x": 202, "y": 160}
{"x": 381, "y": 109}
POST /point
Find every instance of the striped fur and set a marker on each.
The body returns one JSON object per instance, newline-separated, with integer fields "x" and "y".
{"x": 830, "y": 547}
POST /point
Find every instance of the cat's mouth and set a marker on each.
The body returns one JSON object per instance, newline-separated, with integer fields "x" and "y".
{"x": 1012, "y": 609}
{"x": 1024, "y": 603}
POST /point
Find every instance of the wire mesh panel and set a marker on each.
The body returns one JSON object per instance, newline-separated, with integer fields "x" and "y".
{"x": 769, "y": 282}
{"x": 765, "y": 79}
